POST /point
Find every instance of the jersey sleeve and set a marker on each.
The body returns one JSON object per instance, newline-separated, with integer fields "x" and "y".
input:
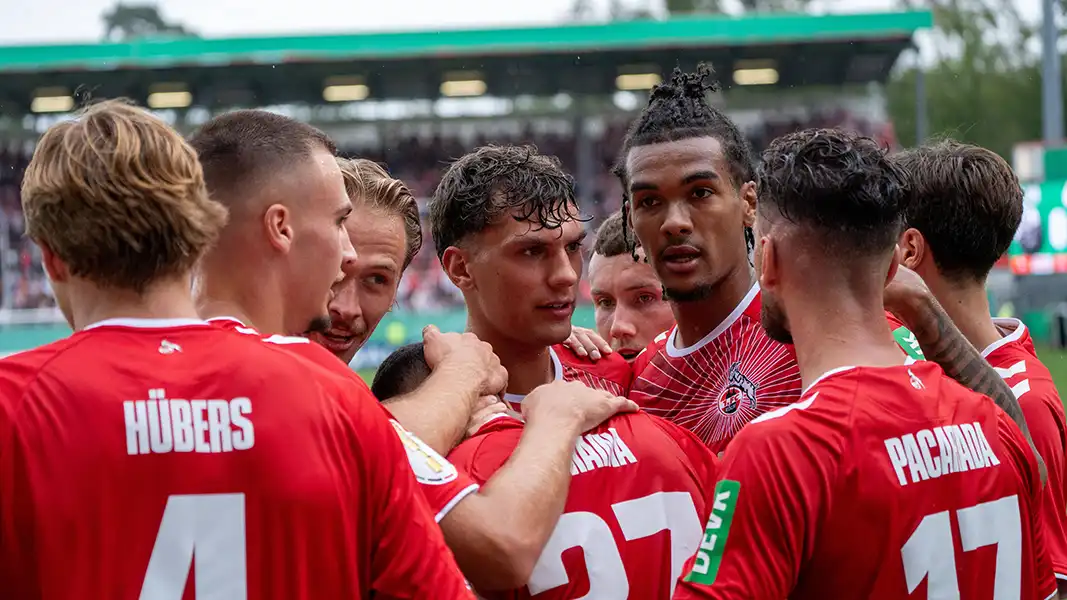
{"x": 1047, "y": 431}
{"x": 764, "y": 515}
{"x": 442, "y": 484}
{"x": 410, "y": 559}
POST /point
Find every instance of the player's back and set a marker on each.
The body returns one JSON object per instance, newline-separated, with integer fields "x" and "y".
{"x": 882, "y": 483}
{"x": 137, "y": 456}
{"x": 634, "y": 512}
{"x": 929, "y": 462}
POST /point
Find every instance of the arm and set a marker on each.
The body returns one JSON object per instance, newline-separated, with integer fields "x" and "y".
{"x": 439, "y": 410}
{"x": 463, "y": 368}
{"x": 498, "y": 534}
{"x": 943, "y": 343}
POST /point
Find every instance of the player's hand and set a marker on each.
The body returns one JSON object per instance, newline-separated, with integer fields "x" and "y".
{"x": 588, "y": 343}
{"x": 905, "y": 293}
{"x": 466, "y": 352}
{"x": 572, "y": 404}
{"x": 486, "y": 409}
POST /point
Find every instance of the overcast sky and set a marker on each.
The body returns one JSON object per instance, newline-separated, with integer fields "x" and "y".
{"x": 28, "y": 21}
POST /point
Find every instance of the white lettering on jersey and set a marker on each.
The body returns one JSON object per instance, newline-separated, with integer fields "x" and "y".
{"x": 960, "y": 448}
{"x": 162, "y": 424}
{"x": 598, "y": 450}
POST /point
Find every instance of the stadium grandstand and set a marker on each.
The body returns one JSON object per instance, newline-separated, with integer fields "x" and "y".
{"x": 414, "y": 100}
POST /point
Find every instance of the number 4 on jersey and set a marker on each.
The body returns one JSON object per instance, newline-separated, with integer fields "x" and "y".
{"x": 208, "y": 529}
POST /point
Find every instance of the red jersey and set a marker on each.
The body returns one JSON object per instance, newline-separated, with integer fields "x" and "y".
{"x": 442, "y": 484}
{"x": 633, "y": 514}
{"x": 611, "y": 373}
{"x": 716, "y": 386}
{"x": 1015, "y": 359}
{"x": 882, "y": 483}
{"x": 168, "y": 459}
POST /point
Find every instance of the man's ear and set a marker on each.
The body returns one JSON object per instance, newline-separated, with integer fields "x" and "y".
{"x": 278, "y": 227}
{"x": 913, "y": 250}
{"x": 54, "y": 266}
{"x": 456, "y": 263}
{"x": 768, "y": 267}
{"x": 748, "y": 197}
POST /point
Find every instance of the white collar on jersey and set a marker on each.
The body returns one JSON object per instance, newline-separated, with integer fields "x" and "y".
{"x": 557, "y": 375}
{"x": 145, "y": 323}
{"x": 1014, "y": 336}
{"x": 674, "y": 351}
{"x": 824, "y": 376}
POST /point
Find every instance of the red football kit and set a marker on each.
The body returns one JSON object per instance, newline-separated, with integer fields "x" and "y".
{"x": 1015, "y": 359}
{"x": 169, "y": 459}
{"x": 717, "y": 385}
{"x": 442, "y": 484}
{"x": 882, "y": 483}
{"x": 611, "y": 373}
{"x": 634, "y": 511}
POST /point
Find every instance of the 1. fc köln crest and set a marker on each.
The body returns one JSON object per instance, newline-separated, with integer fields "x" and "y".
{"x": 739, "y": 390}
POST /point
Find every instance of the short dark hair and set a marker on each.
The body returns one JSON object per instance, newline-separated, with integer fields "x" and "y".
{"x": 679, "y": 110}
{"x": 841, "y": 184}
{"x": 966, "y": 201}
{"x": 611, "y": 238}
{"x": 401, "y": 372}
{"x": 496, "y": 180}
{"x": 241, "y": 148}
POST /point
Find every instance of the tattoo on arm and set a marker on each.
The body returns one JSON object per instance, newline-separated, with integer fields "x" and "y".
{"x": 943, "y": 343}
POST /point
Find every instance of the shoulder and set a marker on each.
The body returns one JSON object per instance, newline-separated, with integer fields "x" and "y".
{"x": 484, "y": 453}
{"x": 612, "y": 367}
{"x": 20, "y": 370}
{"x": 656, "y": 346}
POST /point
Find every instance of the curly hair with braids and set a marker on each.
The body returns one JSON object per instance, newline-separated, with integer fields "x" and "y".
{"x": 678, "y": 110}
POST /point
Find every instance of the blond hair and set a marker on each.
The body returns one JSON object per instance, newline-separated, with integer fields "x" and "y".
{"x": 368, "y": 184}
{"x": 119, "y": 197}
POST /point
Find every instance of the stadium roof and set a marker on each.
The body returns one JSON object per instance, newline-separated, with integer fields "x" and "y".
{"x": 837, "y": 48}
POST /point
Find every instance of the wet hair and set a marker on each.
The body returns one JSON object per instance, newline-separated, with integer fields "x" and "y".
{"x": 244, "y": 149}
{"x": 120, "y": 198}
{"x": 679, "y": 110}
{"x": 967, "y": 203}
{"x": 611, "y": 237}
{"x": 840, "y": 185}
{"x": 369, "y": 184}
{"x": 401, "y": 372}
{"x": 494, "y": 181}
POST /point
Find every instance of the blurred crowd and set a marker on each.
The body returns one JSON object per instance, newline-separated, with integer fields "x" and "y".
{"x": 420, "y": 163}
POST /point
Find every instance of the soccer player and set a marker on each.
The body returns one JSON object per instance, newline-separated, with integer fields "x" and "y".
{"x": 386, "y": 232}
{"x": 636, "y": 504}
{"x": 236, "y": 151}
{"x": 152, "y": 455}
{"x": 690, "y": 195}
{"x": 287, "y": 199}
{"x": 886, "y": 480}
{"x": 627, "y": 298}
{"x": 509, "y": 234}
{"x": 964, "y": 208}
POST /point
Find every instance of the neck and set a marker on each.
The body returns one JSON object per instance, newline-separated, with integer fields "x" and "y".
{"x": 849, "y": 331}
{"x": 226, "y": 293}
{"x": 167, "y": 299}
{"x": 699, "y": 318}
{"x": 528, "y": 366}
{"x": 968, "y": 306}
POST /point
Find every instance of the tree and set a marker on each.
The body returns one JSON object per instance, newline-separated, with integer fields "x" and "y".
{"x": 983, "y": 85}
{"x": 126, "y": 22}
